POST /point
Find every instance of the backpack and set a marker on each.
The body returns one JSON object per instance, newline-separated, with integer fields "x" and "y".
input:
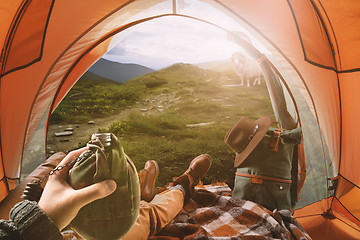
{"x": 269, "y": 174}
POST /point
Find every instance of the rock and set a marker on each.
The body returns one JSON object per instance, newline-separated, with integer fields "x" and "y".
{"x": 144, "y": 110}
{"x": 199, "y": 124}
{"x": 91, "y": 122}
{"x": 61, "y": 134}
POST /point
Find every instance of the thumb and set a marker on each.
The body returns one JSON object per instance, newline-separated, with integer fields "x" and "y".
{"x": 95, "y": 191}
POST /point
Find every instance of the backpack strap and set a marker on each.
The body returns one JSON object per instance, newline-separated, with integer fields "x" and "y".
{"x": 258, "y": 178}
{"x": 274, "y": 140}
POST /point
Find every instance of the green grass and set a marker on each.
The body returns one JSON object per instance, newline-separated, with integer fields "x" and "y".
{"x": 95, "y": 98}
{"x": 166, "y": 139}
{"x": 197, "y": 96}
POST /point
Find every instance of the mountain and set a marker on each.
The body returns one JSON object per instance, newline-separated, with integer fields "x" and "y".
{"x": 179, "y": 72}
{"x": 219, "y": 66}
{"x": 184, "y": 68}
{"x": 93, "y": 77}
{"x": 118, "y": 72}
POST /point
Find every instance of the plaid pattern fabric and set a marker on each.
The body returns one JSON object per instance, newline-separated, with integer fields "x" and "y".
{"x": 231, "y": 218}
{"x": 218, "y": 188}
{"x": 228, "y": 218}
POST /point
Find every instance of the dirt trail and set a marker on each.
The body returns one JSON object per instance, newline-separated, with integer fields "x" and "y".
{"x": 82, "y": 131}
{"x": 150, "y": 105}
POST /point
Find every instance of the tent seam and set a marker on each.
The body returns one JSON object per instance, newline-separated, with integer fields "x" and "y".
{"x": 302, "y": 43}
{"x": 326, "y": 30}
{"x": 356, "y": 229}
{"x": 334, "y": 36}
{"x": 337, "y": 77}
{"x": 312, "y": 215}
{"x": 1, "y": 153}
{"x": 37, "y": 59}
{"x": 349, "y": 181}
{"x": 347, "y": 209}
{"x": 341, "y": 130}
{"x": 14, "y": 25}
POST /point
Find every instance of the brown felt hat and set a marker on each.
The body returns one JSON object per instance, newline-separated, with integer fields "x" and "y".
{"x": 245, "y": 135}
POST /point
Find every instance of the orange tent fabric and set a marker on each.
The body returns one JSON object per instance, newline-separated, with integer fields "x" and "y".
{"x": 46, "y": 45}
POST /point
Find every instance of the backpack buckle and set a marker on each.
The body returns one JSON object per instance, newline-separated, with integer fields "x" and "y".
{"x": 274, "y": 141}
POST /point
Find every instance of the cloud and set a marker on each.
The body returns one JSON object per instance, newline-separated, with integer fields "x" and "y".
{"x": 167, "y": 40}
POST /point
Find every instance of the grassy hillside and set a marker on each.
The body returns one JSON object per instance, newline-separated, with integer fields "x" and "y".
{"x": 93, "y": 96}
{"x": 220, "y": 66}
{"x": 173, "y": 115}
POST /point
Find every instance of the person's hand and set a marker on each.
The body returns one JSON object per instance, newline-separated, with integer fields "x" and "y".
{"x": 61, "y": 202}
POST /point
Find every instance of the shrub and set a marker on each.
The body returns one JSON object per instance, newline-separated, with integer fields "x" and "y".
{"x": 117, "y": 128}
{"x": 155, "y": 82}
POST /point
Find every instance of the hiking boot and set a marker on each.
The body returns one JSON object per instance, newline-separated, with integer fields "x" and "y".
{"x": 148, "y": 177}
{"x": 197, "y": 169}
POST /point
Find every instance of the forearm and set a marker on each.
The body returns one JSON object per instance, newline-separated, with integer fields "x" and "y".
{"x": 28, "y": 221}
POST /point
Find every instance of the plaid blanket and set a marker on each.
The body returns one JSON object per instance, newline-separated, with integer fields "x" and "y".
{"x": 214, "y": 215}
{"x": 218, "y": 217}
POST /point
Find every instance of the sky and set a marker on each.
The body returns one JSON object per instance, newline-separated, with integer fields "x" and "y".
{"x": 162, "y": 42}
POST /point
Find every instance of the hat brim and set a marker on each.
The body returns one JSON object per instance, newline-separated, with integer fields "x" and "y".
{"x": 264, "y": 124}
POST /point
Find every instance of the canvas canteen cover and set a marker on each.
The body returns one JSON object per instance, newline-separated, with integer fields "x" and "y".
{"x": 113, "y": 216}
{"x": 267, "y": 176}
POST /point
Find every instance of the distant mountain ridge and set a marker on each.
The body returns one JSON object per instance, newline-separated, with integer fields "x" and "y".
{"x": 224, "y": 65}
{"x": 93, "y": 77}
{"x": 179, "y": 72}
{"x": 118, "y": 72}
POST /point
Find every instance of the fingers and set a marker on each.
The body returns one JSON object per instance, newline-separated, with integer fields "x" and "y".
{"x": 70, "y": 157}
{"x": 95, "y": 191}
